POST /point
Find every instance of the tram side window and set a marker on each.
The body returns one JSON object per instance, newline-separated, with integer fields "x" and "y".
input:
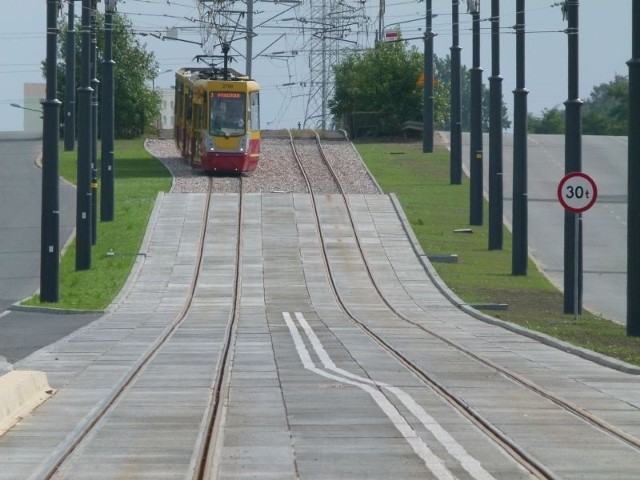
{"x": 177, "y": 103}
{"x": 255, "y": 111}
{"x": 197, "y": 124}
{"x": 189, "y": 114}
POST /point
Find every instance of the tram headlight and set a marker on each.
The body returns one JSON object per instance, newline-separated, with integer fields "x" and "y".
{"x": 209, "y": 143}
{"x": 243, "y": 144}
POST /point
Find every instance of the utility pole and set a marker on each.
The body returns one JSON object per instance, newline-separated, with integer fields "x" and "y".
{"x": 520, "y": 243}
{"x": 94, "y": 123}
{"x": 83, "y": 191}
{"x": 427, "y": 110}
{"x": 70, "y": 86}
{"x": 455, "y": 134}
{"x": 495, "y": 134}
{"x": 249, "y": 55}
{"x": 633, "y": 209}
{"x": 381, "y": 12}
{"x": 475, "y": 160}
{"x": 108, "y": 107}
{"x": 50, "y": 216}
{"x": 573, "y": 163}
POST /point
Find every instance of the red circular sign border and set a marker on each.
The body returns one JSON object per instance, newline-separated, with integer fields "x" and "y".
{"x": 568, "y": 177}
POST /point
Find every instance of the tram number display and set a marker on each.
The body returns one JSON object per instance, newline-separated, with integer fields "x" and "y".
{"x": 577, "y": 192}
{"x": 225, "y": 95}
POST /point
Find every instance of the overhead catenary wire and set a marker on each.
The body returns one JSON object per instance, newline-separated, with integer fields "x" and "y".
{"x": 147, "y": 18}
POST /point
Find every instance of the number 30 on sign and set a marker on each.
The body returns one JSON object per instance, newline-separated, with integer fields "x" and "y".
{"x": 577, "y": 192}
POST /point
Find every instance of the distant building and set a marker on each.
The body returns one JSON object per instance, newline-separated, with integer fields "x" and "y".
{"x": 167, "y": 100}
{"x": 34, "y": 94}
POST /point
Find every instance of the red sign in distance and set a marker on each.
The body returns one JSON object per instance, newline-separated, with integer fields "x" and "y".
{"x": 577, "y": 192}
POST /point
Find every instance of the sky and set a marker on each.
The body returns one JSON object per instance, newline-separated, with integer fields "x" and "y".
{"x": 282, "y": 44}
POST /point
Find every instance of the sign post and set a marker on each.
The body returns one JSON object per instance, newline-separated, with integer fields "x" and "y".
{"x": 577, "y": 193}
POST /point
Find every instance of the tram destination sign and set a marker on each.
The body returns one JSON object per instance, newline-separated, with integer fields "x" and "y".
{"x": 577, "y": 192}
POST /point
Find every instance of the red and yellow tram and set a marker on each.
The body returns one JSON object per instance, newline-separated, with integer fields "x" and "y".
{"x": 217, "y": 119}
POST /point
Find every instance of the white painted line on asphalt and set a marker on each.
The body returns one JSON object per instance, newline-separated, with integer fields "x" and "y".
{"x": 5, "y": 313}
{"x": 433, "y": 463}
{"x": 469, "y": 463}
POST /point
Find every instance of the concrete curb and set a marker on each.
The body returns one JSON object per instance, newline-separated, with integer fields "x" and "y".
{"x": 465, "y": 307}
{"x": 5, "y": 367}
{"x": 20, "y": 393}
{"x": 49, "y": 310}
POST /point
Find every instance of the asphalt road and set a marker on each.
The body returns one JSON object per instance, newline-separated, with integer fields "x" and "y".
{"x": 21, "y": 333}
{"x": 604, "y": 225}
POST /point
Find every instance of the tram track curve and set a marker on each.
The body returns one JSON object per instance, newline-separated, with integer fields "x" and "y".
{"x": 512, "y": 448}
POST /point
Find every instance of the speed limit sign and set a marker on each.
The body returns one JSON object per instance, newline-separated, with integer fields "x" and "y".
{"x": 577, "y": 192}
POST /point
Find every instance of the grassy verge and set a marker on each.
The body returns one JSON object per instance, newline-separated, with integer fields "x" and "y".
{"x": 138, "y": 179}
{"x": 435, "y": 209}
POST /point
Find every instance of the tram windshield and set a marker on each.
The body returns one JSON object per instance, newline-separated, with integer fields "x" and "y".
{"x": 227, "y": 113}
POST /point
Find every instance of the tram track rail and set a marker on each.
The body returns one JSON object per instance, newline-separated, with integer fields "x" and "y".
{"x": 536, "y": 468}
{"x": 53, "y": 466}
{"x": 205, "y": 466}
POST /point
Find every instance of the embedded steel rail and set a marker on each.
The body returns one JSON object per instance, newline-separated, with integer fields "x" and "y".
{"x": 509, "y": 447}
{"x": 316, "y": 171}
{"x": 206, "y": 466}
{"x": 52, "y": 465}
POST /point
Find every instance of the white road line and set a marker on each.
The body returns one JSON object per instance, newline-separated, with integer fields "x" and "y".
{"x": 433, "y": 463}
{"x": 469, "y": 463}
{"x": 5, "y": 313}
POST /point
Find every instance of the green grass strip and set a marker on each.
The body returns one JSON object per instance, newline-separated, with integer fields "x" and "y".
{"x": 138, "y": 179}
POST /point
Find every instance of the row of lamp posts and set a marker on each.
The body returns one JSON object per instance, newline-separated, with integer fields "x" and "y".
{"x": 573, "y": 144}
{"x": 87, "y": 143}
{"x": 86, "y": 196}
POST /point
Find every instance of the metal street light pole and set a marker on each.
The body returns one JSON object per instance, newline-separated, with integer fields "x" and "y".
{"x": 633, "y": 209}
{"x": 456, "y": 103}
{"x": 573, "y": 163}
{"x": 108, "y": 107}
{"x": 50, "y": 219}
{"x": 83, "y": 191}
{"x": 520, "y": 243}
{"x": 495, "y": 134}
{"x": 70, "y": 86}
{"x": 427, "y": 111}
{"x": 250, "y": 33}
{"x": 475, "y": 161}
{"x": 94, "y": 123}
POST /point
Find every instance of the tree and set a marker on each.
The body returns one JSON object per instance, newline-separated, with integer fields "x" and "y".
{"x": 442, "y": 69}
{"x": 606, "y": 111}
{"x": 381, "y": 80}
{"x": 136, "y": 104}
{"x": 550, "y": 121}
